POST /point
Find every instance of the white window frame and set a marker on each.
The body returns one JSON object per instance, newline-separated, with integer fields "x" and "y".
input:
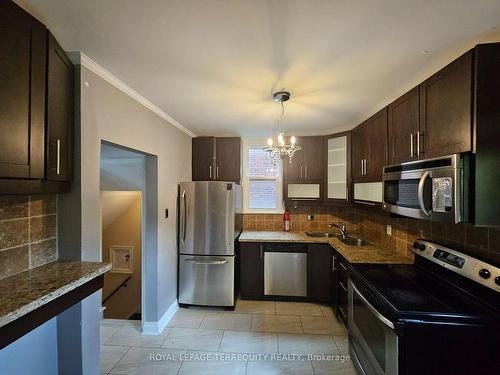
{"x": 260, "y": 143}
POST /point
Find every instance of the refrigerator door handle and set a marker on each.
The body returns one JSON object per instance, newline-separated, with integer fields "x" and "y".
{"x": 184, "y": 214}
{"x": 205, "y": 262}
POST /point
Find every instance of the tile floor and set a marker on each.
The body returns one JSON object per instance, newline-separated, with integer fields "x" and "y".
{"x": 258, "y": 337}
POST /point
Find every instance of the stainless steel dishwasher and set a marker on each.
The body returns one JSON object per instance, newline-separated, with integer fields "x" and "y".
{"x": 285, "y": 270}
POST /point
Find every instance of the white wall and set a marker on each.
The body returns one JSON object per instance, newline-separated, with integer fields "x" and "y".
{"x": 108, "y": 114}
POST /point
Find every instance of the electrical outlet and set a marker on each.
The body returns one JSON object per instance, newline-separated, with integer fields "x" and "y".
{"x": 310, "y": 217}
{"x": 389, "y": 230}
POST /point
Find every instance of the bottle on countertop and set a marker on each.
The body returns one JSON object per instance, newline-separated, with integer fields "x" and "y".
{"x": 286, "y": 221}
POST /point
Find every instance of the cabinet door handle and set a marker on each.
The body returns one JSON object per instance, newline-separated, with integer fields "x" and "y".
{"x": 418, "y": 144}
{"x": 301, "y": 171}
{"x": 210, "y": 170}
{"x": 333, "y": 263}
{"x": 58, "y": 162}
{"x": 362, "y": 163}
{"x": 305, "y": 171}
{"x": 411, "y": 145}
{"x": 260, "y": 251}
{"x": 217, "y": 172}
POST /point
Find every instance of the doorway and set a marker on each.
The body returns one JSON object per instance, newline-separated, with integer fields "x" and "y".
{"x": 122, "y": 197}
{"x": 122, "y": 247}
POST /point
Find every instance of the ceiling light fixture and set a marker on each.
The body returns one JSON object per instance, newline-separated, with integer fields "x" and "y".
{"x": 280, "y": 148}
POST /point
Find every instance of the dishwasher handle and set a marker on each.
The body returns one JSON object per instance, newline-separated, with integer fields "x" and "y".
{"x": 292, "y": 247}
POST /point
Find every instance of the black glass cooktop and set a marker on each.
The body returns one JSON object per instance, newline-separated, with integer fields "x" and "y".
{"x": 411, "y": 291}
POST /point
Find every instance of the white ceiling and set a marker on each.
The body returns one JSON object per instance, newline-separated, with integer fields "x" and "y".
{"x": 213, "y": 64}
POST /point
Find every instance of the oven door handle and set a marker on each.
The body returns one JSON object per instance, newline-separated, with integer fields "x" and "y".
{"x": 421, "y": 186}
{"x": 379, "y": 316}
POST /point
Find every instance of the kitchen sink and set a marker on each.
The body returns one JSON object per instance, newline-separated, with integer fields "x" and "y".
{"x": 349, "y": 241}
{"x": 353, "y": 241}
{"x": 321, "y": 234}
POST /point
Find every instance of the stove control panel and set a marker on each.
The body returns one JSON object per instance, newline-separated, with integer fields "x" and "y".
{"x": 465, "y": 265}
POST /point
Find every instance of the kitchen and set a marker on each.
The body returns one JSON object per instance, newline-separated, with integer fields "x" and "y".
{"x": 304, "y": 209}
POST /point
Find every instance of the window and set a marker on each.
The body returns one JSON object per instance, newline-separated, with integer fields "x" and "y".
{"x": 262, "y": 181}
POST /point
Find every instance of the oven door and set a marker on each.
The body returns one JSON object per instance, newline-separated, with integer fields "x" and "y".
{"x": 373, "y": 340}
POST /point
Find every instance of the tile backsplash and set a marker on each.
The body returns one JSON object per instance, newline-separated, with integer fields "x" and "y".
{"x": 28, "y": 232}
{"x": 371, "y": 224}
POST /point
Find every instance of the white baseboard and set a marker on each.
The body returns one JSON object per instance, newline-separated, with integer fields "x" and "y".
{"x": 156, "y": 328}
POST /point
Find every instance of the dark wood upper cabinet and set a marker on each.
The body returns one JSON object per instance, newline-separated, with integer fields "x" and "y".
{"x": 403, "y": 127}
{"x": 446, "y": 110}
{"x": 36, "y": 106}
{"x": 303, "y": 178}
{"x": 203, "y": 158}
{"x": 359, "y": 150}
{"x": 217, "y": 159}
{"x": 369, "y": 148}
{"x": 228, "y": 159}
{"x": 435, "y": 118}
{"x": 313, "y": 158}
{"x": 486, "y": 127}
{"x": 376, "y": 132}
{"x": 22, "y": 93}
{"x": 307, "y": 164}
{"x": 251, "y": 278}
{"x": 59, "y": 124}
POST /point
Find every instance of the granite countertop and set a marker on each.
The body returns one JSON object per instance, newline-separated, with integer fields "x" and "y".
{"x": 353, "y": 254}
{"x": 28, "y": 290}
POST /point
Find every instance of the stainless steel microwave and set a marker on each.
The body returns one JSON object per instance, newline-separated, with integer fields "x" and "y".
{"x": 433, "y": 189}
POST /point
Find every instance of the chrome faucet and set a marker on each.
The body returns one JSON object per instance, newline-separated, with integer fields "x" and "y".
{"x": 341, "y": 228}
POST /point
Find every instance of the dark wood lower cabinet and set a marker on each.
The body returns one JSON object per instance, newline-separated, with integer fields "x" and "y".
{"x": 251, "y": 267}
{"x": 343, "y": 274}
{"x": 320, "y": 273}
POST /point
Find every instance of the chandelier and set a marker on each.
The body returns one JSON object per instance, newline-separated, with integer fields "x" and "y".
{"x": 280, "y": 149}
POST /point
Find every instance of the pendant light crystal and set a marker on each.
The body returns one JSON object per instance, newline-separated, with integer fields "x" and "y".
{"x": 281, "y": 149}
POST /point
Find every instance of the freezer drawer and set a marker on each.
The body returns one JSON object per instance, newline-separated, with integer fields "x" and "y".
{"x": 285, "y": 274}
{"x": 206, "y": 280}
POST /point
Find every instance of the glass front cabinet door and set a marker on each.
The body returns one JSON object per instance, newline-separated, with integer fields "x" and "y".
{"x": 338, "y": 162}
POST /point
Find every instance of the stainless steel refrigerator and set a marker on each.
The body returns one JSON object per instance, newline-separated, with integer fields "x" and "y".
{"x": 209, "y": 225}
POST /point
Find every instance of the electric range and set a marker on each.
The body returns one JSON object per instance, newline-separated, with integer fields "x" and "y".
{"x": 440, "y": 315}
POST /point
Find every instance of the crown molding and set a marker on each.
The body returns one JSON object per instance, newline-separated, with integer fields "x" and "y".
{"x": 82, "y": 59}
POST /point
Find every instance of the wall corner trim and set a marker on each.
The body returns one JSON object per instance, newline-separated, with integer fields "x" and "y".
{"x": 156, "y": 328}
{"x": 79, "y": 58}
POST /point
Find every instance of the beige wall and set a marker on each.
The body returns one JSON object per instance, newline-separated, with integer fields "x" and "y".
{"x": 125, "y": 230}
{"x": 371, "y": 224}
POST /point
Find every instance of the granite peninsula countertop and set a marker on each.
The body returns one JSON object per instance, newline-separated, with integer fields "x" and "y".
{"x": 26, "y": 291}
{"x": 353, "y": 254}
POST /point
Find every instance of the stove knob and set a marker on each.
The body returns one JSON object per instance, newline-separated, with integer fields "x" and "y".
{"x": 484, "y": 273}
{"x": 497, "y": 280}
{"x": 415, "y": 245}
{"x": 421, "y": 247}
